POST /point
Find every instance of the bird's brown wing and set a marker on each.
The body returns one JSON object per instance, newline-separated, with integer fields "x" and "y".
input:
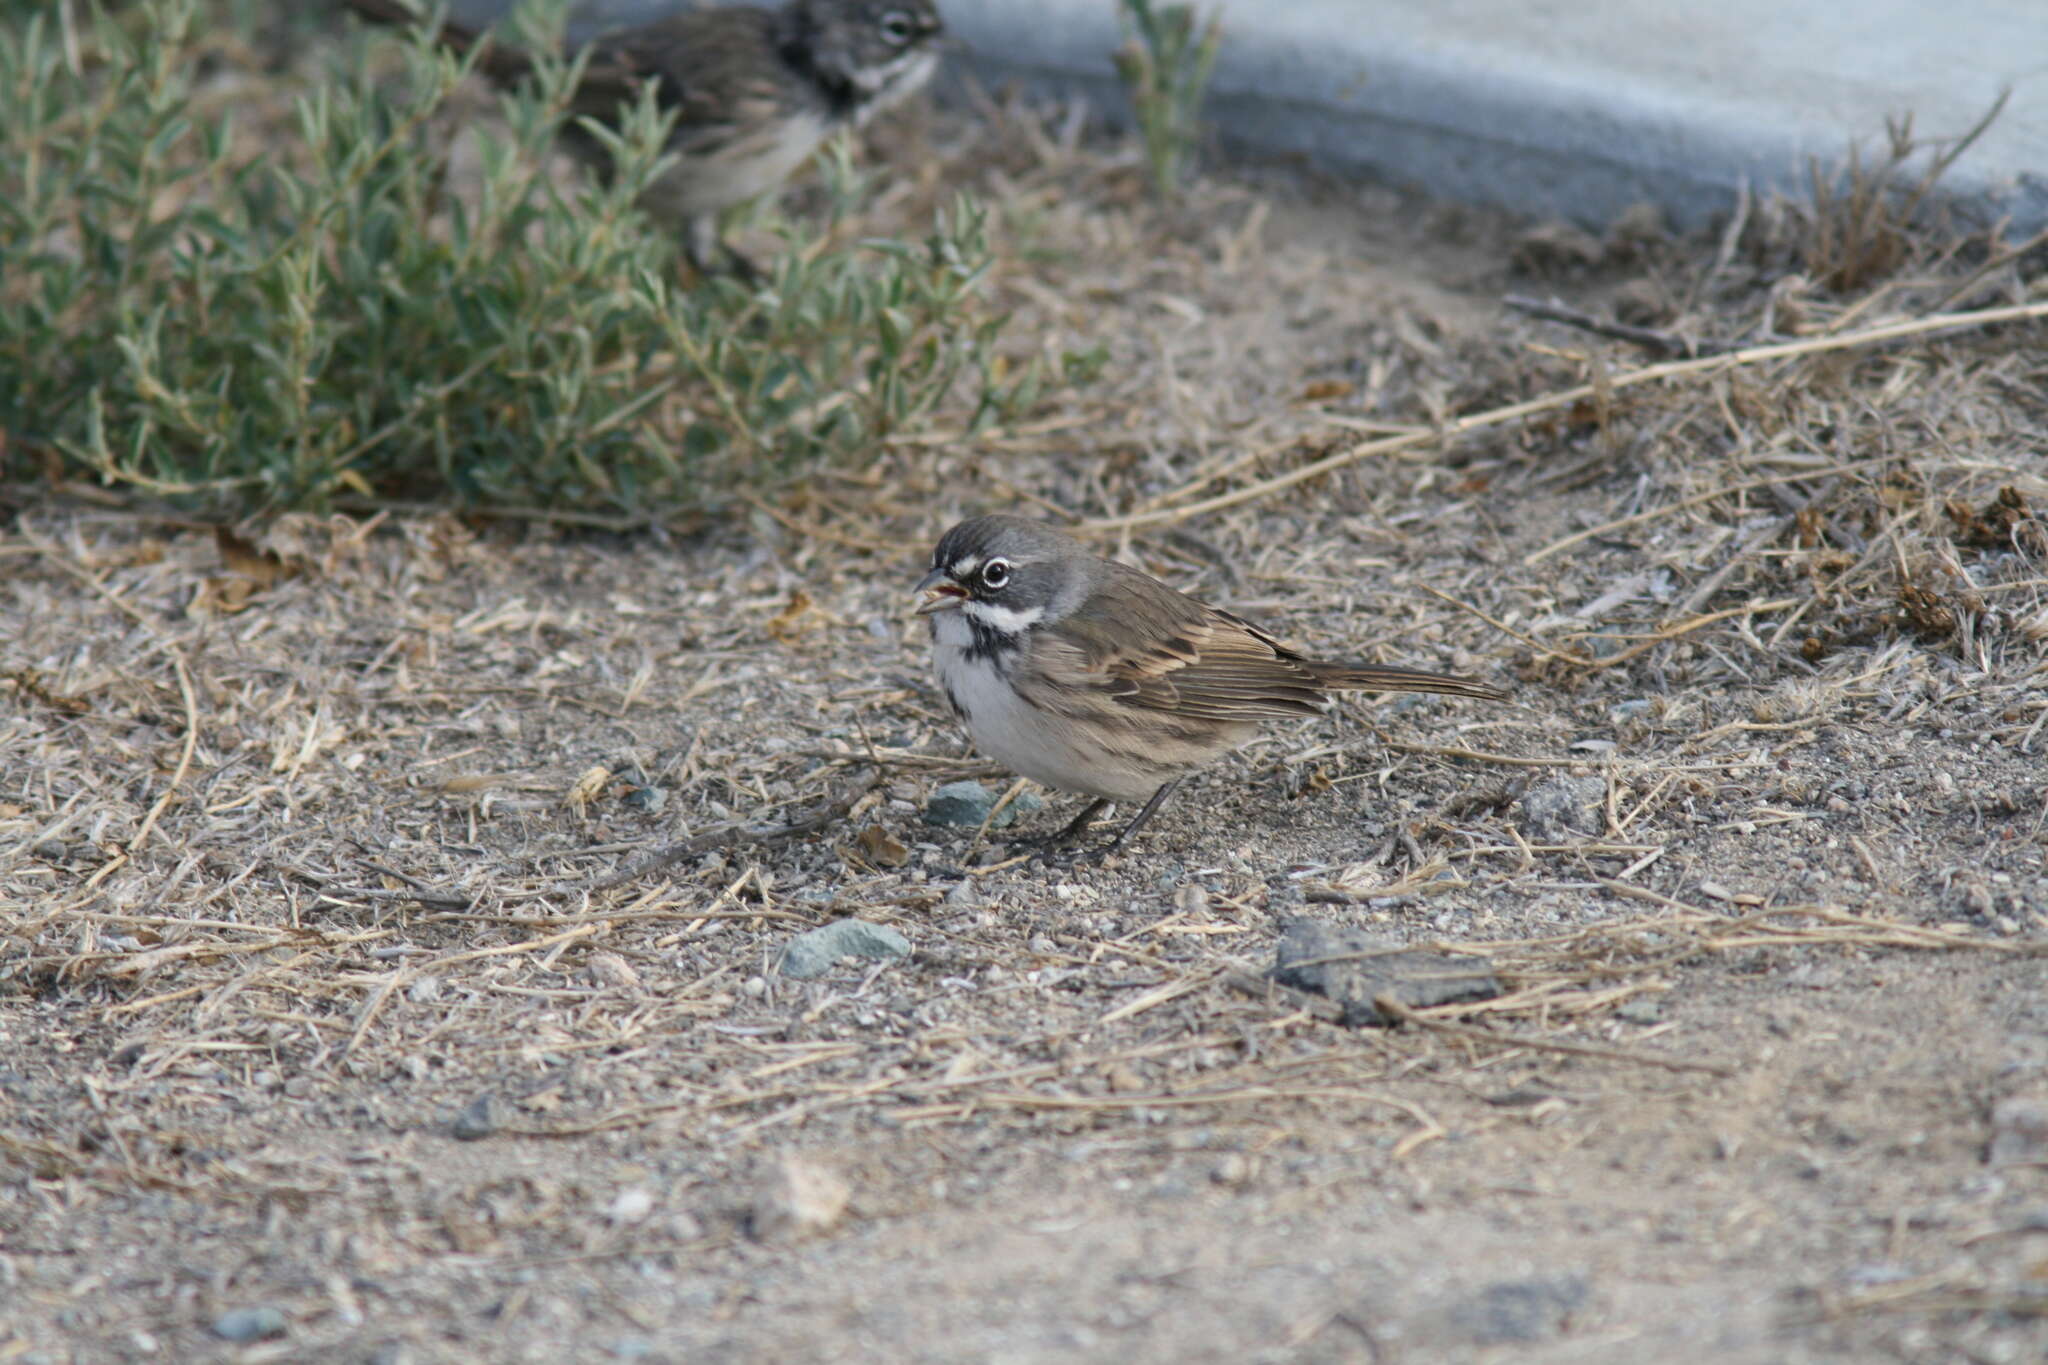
{"x": 1157, "y": 649}
{"x": 714, "y": 68}
{"x": 731, "y": 83}
{"x": 1160, "y": 649}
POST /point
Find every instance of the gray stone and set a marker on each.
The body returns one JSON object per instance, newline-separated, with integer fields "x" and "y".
{"x": 1605, "y": 646}
{"x": 250, "y": 1324}
{"x": 480, "y": 1118}
{"x": 1644, "y": 1012}
{"x": 797, "y": 1197}
{"x": 1520, "y": 1310}
{"x": 968, "y": 804}
{"x": 1353, "y": 968}
{"x": 648, "y": 799}
{"x": 813, "y": 953}
{"x": 2019, "y": 1130}
{"x": 1551, "y": 812}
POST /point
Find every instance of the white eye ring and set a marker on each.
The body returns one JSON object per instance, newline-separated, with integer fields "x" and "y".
{"x": 896, "y": 27}
{"x": 995, "y": 573}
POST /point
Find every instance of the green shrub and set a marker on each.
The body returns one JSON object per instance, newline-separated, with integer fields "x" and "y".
{"x": 237, "y": 327}
{"x": 1165, "y": 61}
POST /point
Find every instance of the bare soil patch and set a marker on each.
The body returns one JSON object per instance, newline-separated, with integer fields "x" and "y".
{"x": 310, "y": 1011}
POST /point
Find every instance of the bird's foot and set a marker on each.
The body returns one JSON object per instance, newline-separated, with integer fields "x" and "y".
{"x": 1048, "y": 845}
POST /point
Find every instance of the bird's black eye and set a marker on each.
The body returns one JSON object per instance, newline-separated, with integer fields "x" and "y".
{"x": 897, "y": 28}
{"x": 995, "y": 573}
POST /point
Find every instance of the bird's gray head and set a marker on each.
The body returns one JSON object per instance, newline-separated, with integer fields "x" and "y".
{"x": 1006, "y": 574}
{"x": 868, "y": 53}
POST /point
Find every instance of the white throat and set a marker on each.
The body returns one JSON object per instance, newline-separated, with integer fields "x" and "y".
{"x": 1005, "y": 620}
{"x": 888, "y": 85}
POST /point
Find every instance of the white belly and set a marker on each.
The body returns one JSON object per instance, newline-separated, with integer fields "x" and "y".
{"x": 742, "y": 170}
{"x": 1035, "y": 743}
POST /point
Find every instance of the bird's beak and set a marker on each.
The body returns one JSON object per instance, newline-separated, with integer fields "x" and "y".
{"x": 940, "y": 593}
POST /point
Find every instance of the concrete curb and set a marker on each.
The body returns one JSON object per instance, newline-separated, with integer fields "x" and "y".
{"x": 1558, "y": 110}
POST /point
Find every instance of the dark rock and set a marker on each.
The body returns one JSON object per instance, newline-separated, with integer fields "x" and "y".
{"x": 1352, "y": 967}
{"x": 968, "y": 804}
{"x": 648, "y": 799}
{"x": 480, "y": 1118}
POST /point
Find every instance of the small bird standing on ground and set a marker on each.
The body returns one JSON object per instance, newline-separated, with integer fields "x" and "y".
{"x": 1087, "y": 675}
{"x": 754, "y": 91}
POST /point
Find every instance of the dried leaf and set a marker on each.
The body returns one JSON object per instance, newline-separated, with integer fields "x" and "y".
{"x": 587, "y": 788}
{"x": 883, "y": 848}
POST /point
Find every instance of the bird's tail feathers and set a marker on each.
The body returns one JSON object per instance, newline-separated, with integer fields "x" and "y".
{"x": 1387, "y": 678}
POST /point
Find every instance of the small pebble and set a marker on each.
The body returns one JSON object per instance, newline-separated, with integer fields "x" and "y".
{"x": 1644, "y": 1012}
{"x": 249, "y": 1324}
{"x": 1606, "y": 646}
{"x": 2019, "y": 1130}
{"x": 1125, "y": 1080}
{"x": 816, "y": 951}
{"x": 1520, "y": 1311}
{"x": 631, "y": 1205}
{"x": 479, "y": 1119}
{"x": 798, "y": 1197}
{"x": 649, "y": 800}
{"x": 968, "y": 804}
{"x": 611, "y": 970}
{"x": 1552, "y": 811}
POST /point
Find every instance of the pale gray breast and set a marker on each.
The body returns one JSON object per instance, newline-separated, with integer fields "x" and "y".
{"x": 750, "y": 162}
{"x": 1078, "y": 742}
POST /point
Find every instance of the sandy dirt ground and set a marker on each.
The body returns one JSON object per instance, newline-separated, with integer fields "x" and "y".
{"x": 321, "y": 1039}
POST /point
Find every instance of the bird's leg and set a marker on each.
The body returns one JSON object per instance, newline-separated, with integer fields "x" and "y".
{"x": 1072, "y": 827}
{"x": 710, "y": 254}
{"x": 1166, "y": 789}
{"x": 742, "y": 267}
{"x": 1137, "y": 822}
{"x": 707, "y": 250}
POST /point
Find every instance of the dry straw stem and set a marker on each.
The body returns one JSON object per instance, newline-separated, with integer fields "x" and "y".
{"x": 825, "y": 816}
{"x": 1514, "y": 412}
{"x": 1394, "y": 1009}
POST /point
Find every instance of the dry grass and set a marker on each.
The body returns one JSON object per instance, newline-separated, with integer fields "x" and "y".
{"x": 310, "y": 835}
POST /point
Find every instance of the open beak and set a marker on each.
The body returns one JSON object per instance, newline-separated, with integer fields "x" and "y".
{"x": 940, "y": 593}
